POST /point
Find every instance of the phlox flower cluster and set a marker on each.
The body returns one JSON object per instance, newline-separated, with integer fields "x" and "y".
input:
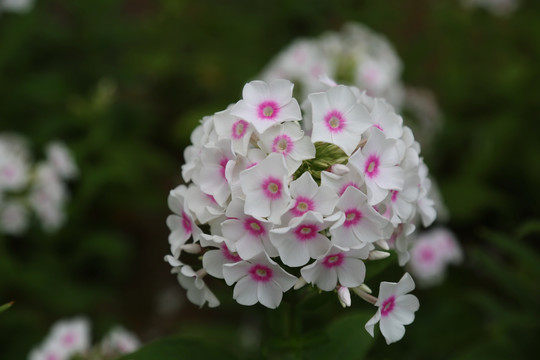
{"x": 268, "y": 208}
{"x": 28, "y": 187}
{"x": 71, "y": 337}
{"x": 431, "y": 253}
{"x": 356, "y": 55}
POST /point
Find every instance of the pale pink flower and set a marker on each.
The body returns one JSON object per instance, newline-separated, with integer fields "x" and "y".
{"x": 218, "y": 161}
{"x": 59, "y": 156}
{"x": 233, "y": 128}
{"x": 396, "y": 308}
{"x": 258, "y": 280}
{"x": 338, "y": 118}
{"x": 308, "y": 196}
{"x": 267, "y": 104}
{"x": 119, "y": 341}
{"x": 385, "y": 119}
{"x": 66, "y": 338}
{"x": 213, "y": 260}
{"x": 181, "y": 223}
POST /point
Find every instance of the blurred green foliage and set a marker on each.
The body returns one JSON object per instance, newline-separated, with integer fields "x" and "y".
{"x": 123, "y": 83}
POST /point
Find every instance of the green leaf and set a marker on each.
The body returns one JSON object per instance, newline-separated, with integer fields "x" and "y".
{"x": 175, "y": 348}
{"x": 6, "y": 306}
{"x": 347, "y": 338}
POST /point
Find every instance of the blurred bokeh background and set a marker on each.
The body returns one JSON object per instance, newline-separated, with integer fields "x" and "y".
{"x": 124, "y": 82}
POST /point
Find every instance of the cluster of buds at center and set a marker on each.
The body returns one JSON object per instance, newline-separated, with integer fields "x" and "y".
{"x": 270, "y": 205}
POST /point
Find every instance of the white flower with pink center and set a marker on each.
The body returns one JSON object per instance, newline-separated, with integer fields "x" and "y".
{"x": 181, "y": 224}
{"x": 358, "y": 223}
{"x": 337, "y": 265}
{"x": 14, "y": 167}
{"x": 396, "y": 308}
{"x": 66, "y": 339}
{"x": 14, "y": 217}
{"x": 267, "y": 104}
{"x": 338, "y": 118}
{"x": 301, "y": 239}
{"x": 233, "y": 128}
{"x": 288, "y": 140}
{"x": 258, "y": 280}
{"x": 308, "y": 196}
{"x": 245, "y": 234}
{"x": 403, "y": 203}
{"x": 378, "y": 161}
{"x": 266, "y": 188}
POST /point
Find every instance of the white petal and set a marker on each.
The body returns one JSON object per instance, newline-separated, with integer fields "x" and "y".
{"x": 352, "y": 273}
{"x": 245, "y": 292}
{"x": 391, "y": 330}
{"x": 371, "y": 323}
{"x": 269, "y": 294}
{"x": 233, "y": 272}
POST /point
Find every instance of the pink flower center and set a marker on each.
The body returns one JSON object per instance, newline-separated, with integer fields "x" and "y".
{"x": 388, "y": 306}
{"x": 352, "y": 217}
{"x": 52, "y": 356}
{"x": 271, "y": 188}
{"x": 186, "y": 223}
{"x": 223, "y": 166}
{"x": 282, "y": 144}
{"x": 268, "y": 110}
{"x": 378, "y": 127}
{"x": 306, "y": 232}
{"x": 227, "y": 254}
{"x": 254, "y": 227}
{"x": 239, "y": 129}
{"x": 427, "y": 255}
{"x": 372, "y": 166}
{"x": 333, "y": 260}
{"x": 260, "y": 273}
{"x": 302, "y": 206}
{"x": 9, "y": 172}
{"x": 335, "y": 122}
{"x": 68, "y": 339}
{"x": 394, "y": 195}
{"x": 346, "y": 186}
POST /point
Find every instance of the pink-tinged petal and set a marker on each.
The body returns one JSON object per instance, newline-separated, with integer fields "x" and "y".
{"x": 245, "y": 292}
{"x": 405, "y": 285}
{"x": 255, "y": 92}
{"x": 392, "y": 331}
{"x": 269, "y": 294}
{"x": 233, "y": 272}
{"x": 406, "y": 305}
{"x": 371, "y": 323}
{"x": 351, "y": 273}
{"x": 386, "y": 290}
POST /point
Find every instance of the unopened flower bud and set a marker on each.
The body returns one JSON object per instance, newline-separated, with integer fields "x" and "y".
{"x": 300, "y": 283}
{"x": 378, "y": 255}
{"x": 344, "y": 296}
{"x": 339, "y": 169}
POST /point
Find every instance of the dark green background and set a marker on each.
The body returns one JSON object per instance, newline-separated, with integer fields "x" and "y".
{"x": 123, "y": 83}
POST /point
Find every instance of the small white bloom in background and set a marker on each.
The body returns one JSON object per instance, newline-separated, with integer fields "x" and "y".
{"x": 497, "y": 7}
{"x": 267, "y": 104}
{"x": 197, "y": 291}
{"x": 66, "y": 339}
{"x": 344, "y": 296}
{"x": 14, "y": 217}
{"x": 61, "y": 160}
{"x": 431, "y": 253}
{"x": 14, "y": 163}
{"x": 258, "y": 280}
{"x": 19, "y": 6}
{"x": 119, "y": 341}
{"x": 396, "y": 309}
